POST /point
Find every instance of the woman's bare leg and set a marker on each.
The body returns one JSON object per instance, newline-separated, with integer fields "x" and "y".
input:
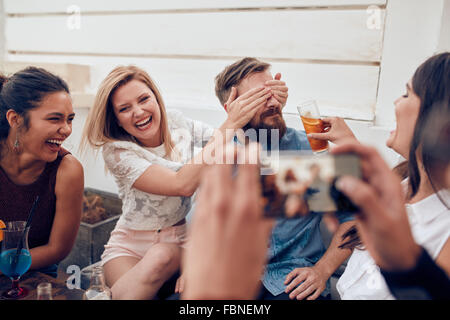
{"x": 134, "y": 279}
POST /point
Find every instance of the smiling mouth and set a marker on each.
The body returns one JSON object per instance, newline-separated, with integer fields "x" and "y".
{"x": 144, "y": 122}
{"x": 55, "y": 142}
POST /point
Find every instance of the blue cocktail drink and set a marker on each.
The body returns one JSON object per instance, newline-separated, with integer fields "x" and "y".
{"x": 15, "y": 257}
{"x": 22, "y": 265}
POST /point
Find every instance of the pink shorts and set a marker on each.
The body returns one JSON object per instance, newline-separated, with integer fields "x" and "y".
{"x": 135, "y": 243}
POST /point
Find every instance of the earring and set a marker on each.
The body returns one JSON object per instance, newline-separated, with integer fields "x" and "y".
{"x": 16, "y": 145}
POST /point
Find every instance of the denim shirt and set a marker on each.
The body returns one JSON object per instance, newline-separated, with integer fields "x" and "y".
{"x": 297, "y": 242}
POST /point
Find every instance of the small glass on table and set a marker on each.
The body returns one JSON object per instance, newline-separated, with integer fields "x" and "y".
{"x": 44, "y": 291}
{"x": 15, "y": 258}
{"x": 310, "y": 116}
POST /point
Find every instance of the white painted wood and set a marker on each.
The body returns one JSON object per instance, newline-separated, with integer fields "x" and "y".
{"x": 444, "y": 38}
{"x": 340, "y": 35}
{"x": 51, "y": 6}
{"x": 411, "y": 36}
{"x": 341, "y": 90}
{"x": 77, "y": 76}
{"x": 82, "y": 100}
{"x": 2, "y": 31}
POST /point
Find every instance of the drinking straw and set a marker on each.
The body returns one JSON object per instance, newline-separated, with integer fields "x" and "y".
{"x": 30, "y": 215}
{"x": 27, "y": 225}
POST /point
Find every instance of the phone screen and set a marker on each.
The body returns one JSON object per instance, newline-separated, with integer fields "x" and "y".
{"x": 296, "y": 184}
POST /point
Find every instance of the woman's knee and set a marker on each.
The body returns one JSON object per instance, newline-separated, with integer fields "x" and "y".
{"x": 161, "y": 261}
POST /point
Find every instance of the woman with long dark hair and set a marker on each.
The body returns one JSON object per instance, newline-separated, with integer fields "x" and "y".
{"x": 427, "y": 200}
{"x": 36, "y": 116}
{"x": 383, "y": 223}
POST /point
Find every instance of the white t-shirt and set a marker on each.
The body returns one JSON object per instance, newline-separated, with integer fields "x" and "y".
{"x": 430, "y": 226}
{"x": 127, "y": 161}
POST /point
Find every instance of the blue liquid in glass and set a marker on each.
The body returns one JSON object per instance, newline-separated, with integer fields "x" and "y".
{"x": 23, "y": 263}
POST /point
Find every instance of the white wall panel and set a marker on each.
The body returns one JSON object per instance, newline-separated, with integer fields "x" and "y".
{"x": 341, "y": 90}
{"x": 77, "y": 76}
{"x": 52, "y": 6}
{"x": 444, "y": 38}
{"x": 2, "y": 31}
{"x": 411, "y": 36}
{"x": 338, "y": 35}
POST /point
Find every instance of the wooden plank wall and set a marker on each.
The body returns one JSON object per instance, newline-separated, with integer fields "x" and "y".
{"x": 2, "y": 31}
{"x": 329, "y": 50}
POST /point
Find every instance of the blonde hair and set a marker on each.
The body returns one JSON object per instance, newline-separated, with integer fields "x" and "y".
{"x": 101, "y": 125}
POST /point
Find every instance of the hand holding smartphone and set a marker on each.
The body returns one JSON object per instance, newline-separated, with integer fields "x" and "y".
{"x": 296, "y": 184}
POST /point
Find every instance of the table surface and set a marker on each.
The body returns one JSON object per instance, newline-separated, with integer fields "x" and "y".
{"x": 31, "y": 279}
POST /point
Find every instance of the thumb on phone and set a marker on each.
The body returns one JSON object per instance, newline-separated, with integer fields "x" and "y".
{"x": 359, "y": 192}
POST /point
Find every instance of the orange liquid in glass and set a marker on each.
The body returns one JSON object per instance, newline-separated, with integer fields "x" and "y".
{"x": 312, "y": 125}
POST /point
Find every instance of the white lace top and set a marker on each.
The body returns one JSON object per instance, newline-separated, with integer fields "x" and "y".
{"x": 127, "y": 161}
{"x": 430, "y": 226}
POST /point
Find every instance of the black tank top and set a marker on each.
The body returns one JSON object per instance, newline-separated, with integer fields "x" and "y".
{"x": 16, "y": 201}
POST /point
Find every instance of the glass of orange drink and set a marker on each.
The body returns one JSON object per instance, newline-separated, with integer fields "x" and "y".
{"x": 310, "y": 116}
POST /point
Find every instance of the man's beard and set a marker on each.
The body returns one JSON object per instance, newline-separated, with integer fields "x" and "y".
{"x": 276, "y": 122}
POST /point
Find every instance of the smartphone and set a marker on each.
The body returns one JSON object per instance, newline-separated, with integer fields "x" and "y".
{"x": 295, "y": 184}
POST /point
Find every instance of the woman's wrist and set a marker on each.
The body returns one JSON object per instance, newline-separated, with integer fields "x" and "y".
{"x": 228, "y": 130}
{"x": 229, "y": 124}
